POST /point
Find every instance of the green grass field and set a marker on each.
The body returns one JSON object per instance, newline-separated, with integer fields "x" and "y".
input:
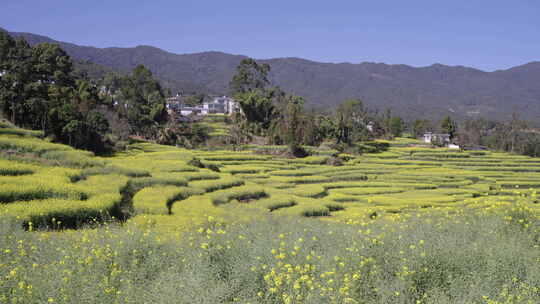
{"x": 152, "y": 193}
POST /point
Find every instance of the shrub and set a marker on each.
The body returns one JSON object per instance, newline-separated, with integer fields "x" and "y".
{"x": 195, "y": 162}
{"x": 334, "y": 207}
{"x": 315, "y": 211}
{"x": 334, "y": 161}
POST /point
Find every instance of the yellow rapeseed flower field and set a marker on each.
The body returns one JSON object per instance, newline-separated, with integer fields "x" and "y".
{"x": 410, "y": 225}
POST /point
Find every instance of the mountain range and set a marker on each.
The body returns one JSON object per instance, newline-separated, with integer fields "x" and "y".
{"x": 413, "y": 92}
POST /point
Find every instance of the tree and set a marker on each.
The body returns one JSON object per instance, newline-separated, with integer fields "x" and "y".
{"x": 249, "y": 76}
{"x": 200, "y": 133}
{"x": 194, "y": 99}
{"x": 293, "y": 114}
{"x": 515, "y": 131}
{"x": 449, "y": 126}
{"x": 7, "y": 45}
{"x": 419, "y": 127}
{"x": 7, "y": 77}
{"x": 351, "y": 122}
{"x": 77, "y": 121}
{"x": 531, "y": 147}
{"x": 238, "y": 132}
{"x": 315, "y": 128}
{"x": 111, "y": 85}
{"x": 38, "y": 90}
{"x": 259, "y": 105}
{"x": 386, "y": 121}
{"x": 52, "y": 65}
{"x": 325, "y": 128}
{"x": 258, "y": 101}
{"x": 396, "y": 126}
{"x": 476, "y": 132}
{"x": 143, "y": 102}
{"x": 16, "y": 81}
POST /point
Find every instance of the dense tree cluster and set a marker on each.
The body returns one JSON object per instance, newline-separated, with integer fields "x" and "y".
{"x": 282, "y": 119}
{"x": 40, "y": 90}
{"x": 139, "y": 99}
{"x": 268, "y": 111}
{"x": 513, "y": 136}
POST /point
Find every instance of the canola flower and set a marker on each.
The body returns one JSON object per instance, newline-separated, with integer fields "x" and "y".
{"x": 295, "y": 261}
{"x": 210, "y": 228}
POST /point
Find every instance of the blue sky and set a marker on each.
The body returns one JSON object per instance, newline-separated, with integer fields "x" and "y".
{"x": 488, "y": 35}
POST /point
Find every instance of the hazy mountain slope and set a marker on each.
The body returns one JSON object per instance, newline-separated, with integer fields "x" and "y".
{"x": 413, "y": 92}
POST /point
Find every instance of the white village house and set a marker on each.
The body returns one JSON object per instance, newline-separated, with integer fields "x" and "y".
{"x": 430, "y": 137}
{"x": 217, "y": 105}
{"x": 442, "y": 138}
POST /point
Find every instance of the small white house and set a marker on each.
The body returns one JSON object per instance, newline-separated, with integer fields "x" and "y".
{"x": 439, "y": 139}
{"x": 430, "y": 137}
{"x": 219, "y": 105}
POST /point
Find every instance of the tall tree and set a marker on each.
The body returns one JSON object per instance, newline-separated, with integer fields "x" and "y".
{"x": 449, "y": 126}
{"x": 396, "y": 126}
{"x": 316, "y": 127}
{"x": 16, "y": 77}
{"x": 250, "y": 75}
{"x": 38, "y": 90}
{"x": 515, "y": 131}
{"x": 53, "y": 84}
{"x": 352, "y": 118}
{"x": 420, "y": 126}
{"x": 144, "y": 101}
{"x": 293, "y": 118}
{"x": 259, "y": 105}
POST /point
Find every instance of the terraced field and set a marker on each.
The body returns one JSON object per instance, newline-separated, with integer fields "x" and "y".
{"x": 216, "y": 124}
{"x": 159, "y": 224}
{"x": 50, "y": 185}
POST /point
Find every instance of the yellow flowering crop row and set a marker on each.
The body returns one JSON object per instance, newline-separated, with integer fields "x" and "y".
{"x": 16, "y": 168}
{"x": 58, "y": 213}
{"x": 213, "y": 185}
{"x": 159, "y": 199}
